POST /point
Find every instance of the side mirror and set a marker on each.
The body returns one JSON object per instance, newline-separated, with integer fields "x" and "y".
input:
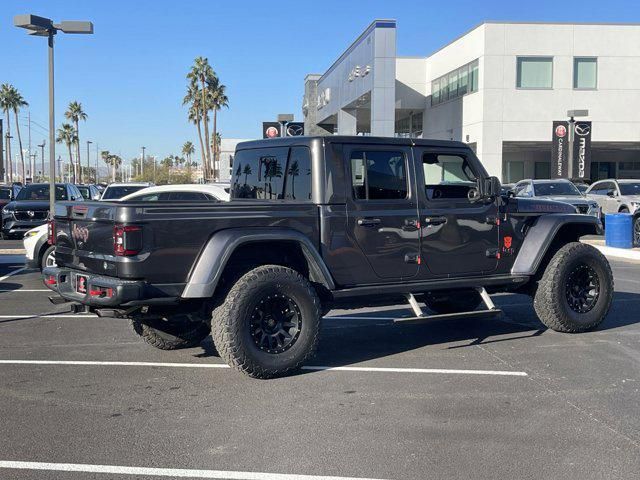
{"x": 489, "y": 187}
{"x": 611, "y": 193}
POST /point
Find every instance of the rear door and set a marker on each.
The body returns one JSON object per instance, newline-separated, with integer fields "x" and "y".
{"x": 458, "y": 235}
{"x": 382, "y": 210}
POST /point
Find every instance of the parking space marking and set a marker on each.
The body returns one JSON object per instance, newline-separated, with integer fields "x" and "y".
{"x": 24, "y": 290}
{"x": 46, "y": 315}
{"x": 306, "y": 367}
{"x": 165, "y": 472}
{"x": 12, "y": 273}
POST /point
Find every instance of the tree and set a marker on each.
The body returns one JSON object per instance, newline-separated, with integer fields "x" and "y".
{"x": 293, "y": 172}
{"x": 67, "y": 135}
{"x": 247, "y": 171}
{"x": 11, "y": 99}
{"x": 5, "y": 104}
{"x": 218, "y": 100}
{"x": 194, "y": 99}
{"x": 216, "y": 140}
{"x": 203, "y": 74}
{"x": 75, "y": 114}
{"x": 188, "y": 150}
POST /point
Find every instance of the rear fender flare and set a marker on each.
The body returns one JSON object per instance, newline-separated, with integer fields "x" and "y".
{"x": 541, "y": 235}
{"x": 214, "y": 257}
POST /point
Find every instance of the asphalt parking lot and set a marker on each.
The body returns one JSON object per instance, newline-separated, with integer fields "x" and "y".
{"x": 82, "y": 397}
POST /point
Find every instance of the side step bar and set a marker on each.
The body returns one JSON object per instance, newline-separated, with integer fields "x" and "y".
{"x": 421, "y": 316}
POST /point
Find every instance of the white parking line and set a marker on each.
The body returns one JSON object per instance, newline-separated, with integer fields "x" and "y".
{"x": 165, "y": 472}
{"x": 44, "y": 315}
{"x": 306, "y": 367}
{"x": 20, "y": 290}
{"x": 12, "y": 273}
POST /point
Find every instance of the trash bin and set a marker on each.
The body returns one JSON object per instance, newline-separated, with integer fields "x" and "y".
{"x": 619, "y": 231}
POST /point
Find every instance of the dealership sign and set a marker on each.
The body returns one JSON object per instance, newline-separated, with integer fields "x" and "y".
{"x": 271, "y": 129}
{"x": 559, "y": 150}
{"x": 274, "y": 129}
{"x": 581, "y": 150}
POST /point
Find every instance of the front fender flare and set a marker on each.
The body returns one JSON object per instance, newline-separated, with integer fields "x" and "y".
{"x": 213, "y": 259}
{"x": 541, "y": 235}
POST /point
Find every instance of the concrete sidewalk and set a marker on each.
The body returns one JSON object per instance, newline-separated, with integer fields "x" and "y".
{"x": 621, "y": 253}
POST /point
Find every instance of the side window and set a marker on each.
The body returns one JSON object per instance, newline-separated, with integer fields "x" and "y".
{"x": 378, "y": 175}
{"x": 187, "y": 196}
{"x": 259, "y": 173}
{"x": 298, "y": 179}
{"x": 447, "y": 176}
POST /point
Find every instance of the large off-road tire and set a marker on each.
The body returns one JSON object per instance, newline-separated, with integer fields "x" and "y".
{"x": 268, "y": 324}
{"x": 48, "y": 258}
{"x": 171, "y": 334}
{"x": 452, "y": 301}
{"x": 576, "y": 289}
{"x": 636, "y": 230}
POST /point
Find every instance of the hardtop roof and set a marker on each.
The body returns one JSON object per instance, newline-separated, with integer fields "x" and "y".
{"x": 289, "y": 141}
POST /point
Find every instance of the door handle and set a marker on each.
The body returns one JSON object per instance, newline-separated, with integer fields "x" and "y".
{"x": 369, "y": 222}
{"x": 435, "y": 220}
{"x": 411, "y": 225}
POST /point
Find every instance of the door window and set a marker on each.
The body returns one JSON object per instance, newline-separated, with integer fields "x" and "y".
{"x": 378, "y": 175}
{"x": 447, "y": 176}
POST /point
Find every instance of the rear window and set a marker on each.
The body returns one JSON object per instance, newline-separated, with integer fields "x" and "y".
{"x": 41, "y": 192}
{"x": 112, "y": 193}
{"x": 85, "y": 192}
{"x": 5, "y": 194}
{"x": 278, "y": 173}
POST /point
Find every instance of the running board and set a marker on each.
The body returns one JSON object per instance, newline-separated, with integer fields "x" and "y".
{"x": 491, "y": 310}
{"x": 450, "y": 316}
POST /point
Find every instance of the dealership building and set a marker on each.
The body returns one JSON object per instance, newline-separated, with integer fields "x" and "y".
{"x": 498, "y": 88}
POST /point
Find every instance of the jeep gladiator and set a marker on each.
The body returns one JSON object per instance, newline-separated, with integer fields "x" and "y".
{"x": 319, "y": 222}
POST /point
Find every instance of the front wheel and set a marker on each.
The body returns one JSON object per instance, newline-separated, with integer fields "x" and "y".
{"x": 48, "y": 258}
{"x": 171, "y": 333}
{"x": 576, "y": 289}
{"x": 636, "y": 231}
{"x": 269, "y": 322}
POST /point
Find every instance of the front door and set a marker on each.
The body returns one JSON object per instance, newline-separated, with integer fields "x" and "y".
{"x": 382, "y": 212}
{"x": 459, "y": 234}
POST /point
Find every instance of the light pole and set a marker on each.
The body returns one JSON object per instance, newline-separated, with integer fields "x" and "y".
{"x": 42, "y": 158}
{"x": 89, "y": 142}
{"x": 44, "y": 27}
{"x": 142, "y": 163}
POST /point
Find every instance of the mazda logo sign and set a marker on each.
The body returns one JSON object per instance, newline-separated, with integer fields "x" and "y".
{"x": 295, "y": 130}
{"x": 582, "y": 129}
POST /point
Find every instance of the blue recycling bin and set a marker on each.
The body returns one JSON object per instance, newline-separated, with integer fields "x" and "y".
{"x": 619, "y": 230}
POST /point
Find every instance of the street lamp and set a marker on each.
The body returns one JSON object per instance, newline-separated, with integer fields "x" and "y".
{"x": 142, "y": 163}
{"x": 42, "y": 158}
{"x": 89, "y": 142}
{"x": 44, "y": 27}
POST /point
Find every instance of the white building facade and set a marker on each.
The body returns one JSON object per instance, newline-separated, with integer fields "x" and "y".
{"x": 498, "y": 88}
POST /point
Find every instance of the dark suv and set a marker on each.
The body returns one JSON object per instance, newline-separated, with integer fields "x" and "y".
{"x": 320, "y": 222}
{"x": 30, "y": 208}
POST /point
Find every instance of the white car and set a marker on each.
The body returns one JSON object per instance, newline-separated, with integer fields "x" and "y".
{"x": 115, "y": 191}
{"x": 185, "y": 193}
{"x": 39, "y": 253}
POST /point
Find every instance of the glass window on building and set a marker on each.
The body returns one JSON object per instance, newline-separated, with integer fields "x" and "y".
{"x": 534, "y": 72}
{"x": 456, "y": 83}
{"x": 585, "y": 73}
{"x": 542, "y": 170}
{"x": 453, "y": 84}
{"x": 514, "y": 171}
{"x": 473, "y": 76}
{"x": 463, "y": 81}
{"x": 435, "y": 92}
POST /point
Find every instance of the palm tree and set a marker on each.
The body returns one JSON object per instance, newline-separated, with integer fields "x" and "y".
{"x": 216, "y": 140}
{"x": 5, "y": 104}
{"x": 75, "y": 114}
{"x": 202, "y": 73}
{"x": 187, "y": 150}
{"x": 294, "y": 171}
{"x": 194, "y": 99}
{"x": 247, "y": 171}
{"x": 68, "y": 135}
{"x": 114, "y": 161}
{"x": 218, "y": 100}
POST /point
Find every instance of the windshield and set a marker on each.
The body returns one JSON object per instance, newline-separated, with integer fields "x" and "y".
{"x": 113, "y": 193}
{"x": 84, "y": 191}
{"x": 630, "y": 188}
{"x": 41, "y": 192}
{"x": 5, "y": 194}
{"x": 549, "y": 189}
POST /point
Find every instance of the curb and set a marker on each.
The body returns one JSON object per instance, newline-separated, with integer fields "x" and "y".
{"x": 624, "y": 253}
{"x": 12, "y": 251}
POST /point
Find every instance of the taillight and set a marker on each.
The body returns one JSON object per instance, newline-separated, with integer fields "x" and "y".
{"x": 101, "y": 292}
{"x": 50, "y": 280}
{"x": 127, "y": 240}
{"x": 51, "y": 232}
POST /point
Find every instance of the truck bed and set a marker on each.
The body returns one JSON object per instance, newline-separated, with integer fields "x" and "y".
{"x": 172, "y": 234}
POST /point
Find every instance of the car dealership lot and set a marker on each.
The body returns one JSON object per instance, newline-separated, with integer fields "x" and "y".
{"x": 474, "y": 398}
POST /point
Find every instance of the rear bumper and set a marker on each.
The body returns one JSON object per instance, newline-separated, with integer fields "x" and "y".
{"x": 124, "y": 293}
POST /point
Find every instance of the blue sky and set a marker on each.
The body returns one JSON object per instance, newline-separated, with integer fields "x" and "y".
{"x": 130, "y": 75}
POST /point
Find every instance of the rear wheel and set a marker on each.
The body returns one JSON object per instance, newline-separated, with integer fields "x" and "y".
{"x": 576, "y": 289}
{"x": 171, "y": 333}
{"x": 636, "y": 231}
{"x": 269, "y": 322}
{"x": 452, "y": 301}
{"x": 48, "y": 258}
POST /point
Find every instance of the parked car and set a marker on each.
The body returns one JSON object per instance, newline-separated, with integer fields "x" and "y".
{"x": 616, "y": 196}
{"x": 187, "y": 192}
{"x": 39, "y": 252}
{"x": 89, "y": 192}
{"x": 359, "y": 219}
{"x": 559, "y": 190}
{"x": 115, "y": 191}
{"x": 507, "y": 188}
{"x": 31, "y": 207}
{"x": 8, "y": 193}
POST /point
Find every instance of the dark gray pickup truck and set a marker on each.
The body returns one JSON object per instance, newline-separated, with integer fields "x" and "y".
{"x": 321, "y": 222}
